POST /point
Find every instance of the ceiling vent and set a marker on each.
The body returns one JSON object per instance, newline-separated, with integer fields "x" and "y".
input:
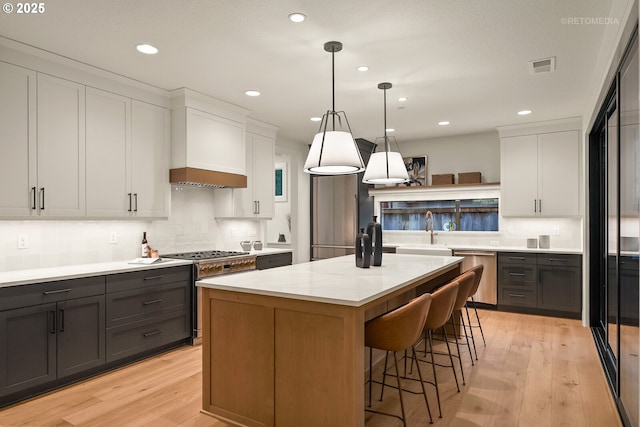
{"x": 546, "y": 65}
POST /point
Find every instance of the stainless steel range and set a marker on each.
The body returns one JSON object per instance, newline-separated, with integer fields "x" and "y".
{"x": 209, "y": 264}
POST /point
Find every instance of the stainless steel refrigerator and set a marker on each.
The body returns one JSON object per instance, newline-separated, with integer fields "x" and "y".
{"x": 340, "y": 206}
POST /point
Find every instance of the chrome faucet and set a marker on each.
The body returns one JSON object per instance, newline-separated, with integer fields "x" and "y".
{"x": 429, "y": 225}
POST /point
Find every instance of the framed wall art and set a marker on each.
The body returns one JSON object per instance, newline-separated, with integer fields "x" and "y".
{"x": 281, "y": 182}
{"x": 417, "y": 170}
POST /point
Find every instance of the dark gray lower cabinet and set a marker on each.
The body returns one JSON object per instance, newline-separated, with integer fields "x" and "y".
{"x": 45, "y": 342}
{"x": 147, "y": 309}
{"x": 54, "y": 333}
{"x": 540, "y": 283}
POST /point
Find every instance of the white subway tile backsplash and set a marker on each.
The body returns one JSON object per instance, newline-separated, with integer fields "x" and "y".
{"x": 191, "y": 226}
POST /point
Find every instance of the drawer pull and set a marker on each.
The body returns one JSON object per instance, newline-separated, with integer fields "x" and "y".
{"x": 61, "y": 320}
{"x": 517, "y": 274}
{"x": 148, "y": 334}
{"x": 517, "y": 295}
{"x": 155, "y": 301}
{"x": 519, "y": 258}
{"x": 58, "y": 291}
{"x": 153, "y": 277}
{"x": 558, "y": 259}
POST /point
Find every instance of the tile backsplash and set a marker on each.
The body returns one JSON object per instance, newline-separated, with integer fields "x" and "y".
{"x": 191, "y": 226}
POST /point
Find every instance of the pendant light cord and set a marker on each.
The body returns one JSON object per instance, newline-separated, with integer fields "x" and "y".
{"x": 333, "y": 88}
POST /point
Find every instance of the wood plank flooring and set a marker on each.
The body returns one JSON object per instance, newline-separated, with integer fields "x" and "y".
{"x": 534, "y": 371}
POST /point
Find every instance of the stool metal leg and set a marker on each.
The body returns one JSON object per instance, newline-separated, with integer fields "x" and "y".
{"x": 415, "y": 357}
{"x": 435, "y": 376}
{"x": 370, "y": 375}
{"x": 473, "y": 339}
{"x": 384, "y": 374}
{"x": 473, "y": 300}
{"x": 404, "y": 418}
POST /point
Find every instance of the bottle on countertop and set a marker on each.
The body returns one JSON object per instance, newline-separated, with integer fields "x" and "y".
{"x": 145, "y": 246}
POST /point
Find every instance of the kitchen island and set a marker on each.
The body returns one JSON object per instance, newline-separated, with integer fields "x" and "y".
{"x": 285, "y": 347}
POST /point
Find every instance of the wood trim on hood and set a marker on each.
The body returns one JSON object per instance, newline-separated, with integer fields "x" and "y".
{"x": 207, "y": 178}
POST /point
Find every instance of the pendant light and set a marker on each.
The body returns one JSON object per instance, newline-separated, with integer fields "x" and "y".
{"x": 386, "y": 167}
{"x": 334, "y": 151}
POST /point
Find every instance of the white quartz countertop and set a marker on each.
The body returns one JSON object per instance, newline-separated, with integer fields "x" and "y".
{"x": 334, "y": 280}
{"x": 39, "y": 275}
{"x": 269, "y": 251}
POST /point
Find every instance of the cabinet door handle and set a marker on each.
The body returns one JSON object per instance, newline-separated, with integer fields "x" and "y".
{"x": 517, "y": 274}
{"x": 148, "y": 334}
{"x": 130, "y": 199}
{"x": 155, "y": 301}
{"x": 135, "y": 197}
{"x": 57, "y": 291}
{"x": 535, "y": 206}
{"x": 517, "y": 295}
{"x": 557, "y": 260}
{"x": 540, "y": 205}
{"x": 258, "y": 204}
{"x": 33, "y": 195}
{"x": 52, "y": 322}
{"x": 61, "y": 320}
{"x": 153, "y": 277}
{"x": 41, "y": 198}
{"x": 519, "y": 258}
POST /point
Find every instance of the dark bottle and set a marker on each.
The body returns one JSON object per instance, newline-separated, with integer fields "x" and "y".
{"x": 145, "y": 246}
{"x": 363, "y": 249}
{"x": 374, "y": 230}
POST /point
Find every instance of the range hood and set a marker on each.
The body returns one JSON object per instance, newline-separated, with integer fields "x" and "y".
{"x": 207, "y": 141}
{"x": 206, "y": 178}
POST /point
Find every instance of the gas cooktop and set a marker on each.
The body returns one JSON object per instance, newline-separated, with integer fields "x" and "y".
{"x": 204, "y": 255}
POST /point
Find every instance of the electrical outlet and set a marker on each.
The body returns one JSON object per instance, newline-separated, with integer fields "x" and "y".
{"x": 556, "y": 231}
{"x": 23, "y": 241}
{"x": 113, "y": 238}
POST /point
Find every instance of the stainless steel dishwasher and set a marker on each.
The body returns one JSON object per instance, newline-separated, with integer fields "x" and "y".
{"x": 488, "y": 289}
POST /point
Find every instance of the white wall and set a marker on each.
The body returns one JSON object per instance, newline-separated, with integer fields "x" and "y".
{"x": 478, "y": 152}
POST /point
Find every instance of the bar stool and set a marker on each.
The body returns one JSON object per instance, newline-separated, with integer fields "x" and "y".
{"x": 478, "y": 270}
{"x": 442, "y": 301}
{"x": 465, "y": 283}
{"x": 396, "y": 331}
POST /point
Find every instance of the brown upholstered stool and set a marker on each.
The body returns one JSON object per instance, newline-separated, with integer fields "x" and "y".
{"x": 478, "y": 270}
{"x": 442, "y": 301}
{"x": 465, "y": 283}
{"x": 396, "y": 331}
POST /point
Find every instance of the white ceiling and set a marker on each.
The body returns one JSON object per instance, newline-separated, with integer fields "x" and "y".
{"x": 465, "y": 61}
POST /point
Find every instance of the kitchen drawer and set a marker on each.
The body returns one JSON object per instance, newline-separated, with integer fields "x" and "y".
{"x": 273, "y": 260}
{"x": 560, "y": 260}
{"x": 516, "y": 258}
{"x": 42, "y": 293}
{"x": 140, "y": 304}
{"x": 517, "y": 275}
{"x": 522, "y": 297}
{"x": 129, "y": 340}
{"x": 148, "y": 278}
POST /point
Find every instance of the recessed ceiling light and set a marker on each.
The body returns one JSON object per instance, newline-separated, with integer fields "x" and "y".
{"x": 391, "y": 130}
{"x": 315, "y": 119}
{"x": 444, "y": 123}
{"x": 252, "y": 93}
{"x": 297, "y": 17}
{"x": 402, "y": 99}
{"x": 363, "y": 68}
{"x": 524, "y": 112}
{"x": 147, "y": 49}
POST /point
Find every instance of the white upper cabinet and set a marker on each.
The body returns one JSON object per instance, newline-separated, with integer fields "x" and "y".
{"x": 540, "y": 174}
{"x": 150, "y": 130}
{"x": 127, "y": 157}
{"x": 61, "y": 147}
{"x": 17, "y": 141}
{"x": 108, "y": 151}
{"x": 257, "y": 200}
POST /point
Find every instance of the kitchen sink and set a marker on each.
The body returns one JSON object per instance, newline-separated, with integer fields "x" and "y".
{"x": 424, "y": 249}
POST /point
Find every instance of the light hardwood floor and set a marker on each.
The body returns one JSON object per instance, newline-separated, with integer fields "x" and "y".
{"x": 534, "y": 371}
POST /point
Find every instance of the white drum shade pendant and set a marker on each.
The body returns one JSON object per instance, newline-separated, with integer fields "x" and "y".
{"x": 333, "y": 150}
{"x": 385, "y": 167}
